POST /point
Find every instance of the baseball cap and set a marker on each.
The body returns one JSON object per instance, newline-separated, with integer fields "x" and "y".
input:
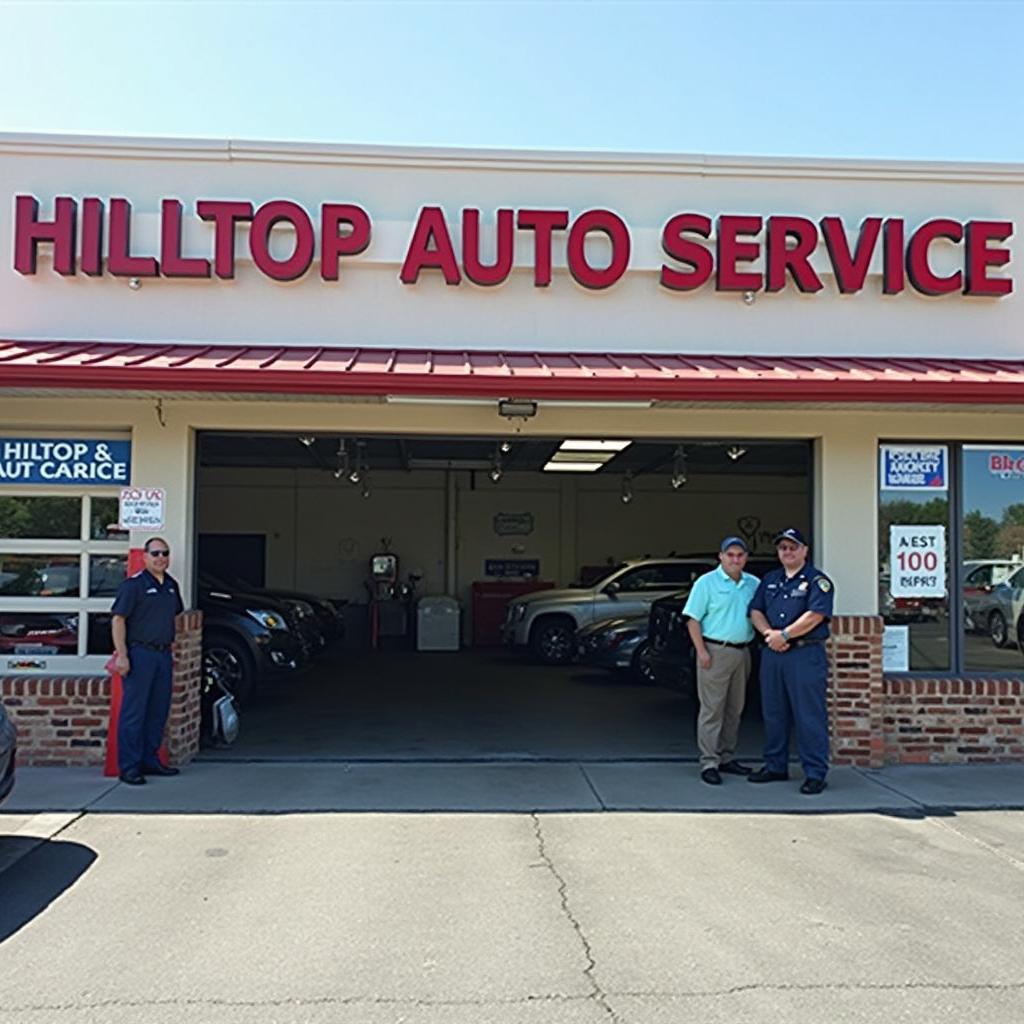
{"x": 729, "y": 542}
{"x": 789, "y": 533}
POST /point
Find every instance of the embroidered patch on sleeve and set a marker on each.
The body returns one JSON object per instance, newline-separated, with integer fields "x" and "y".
{"x": 824, "y": 584}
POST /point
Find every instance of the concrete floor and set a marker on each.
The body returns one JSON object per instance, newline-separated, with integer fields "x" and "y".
{"x": 402, "y": 705}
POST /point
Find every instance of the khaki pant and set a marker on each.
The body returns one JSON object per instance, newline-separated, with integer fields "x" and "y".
{"x": 722, "y": 689}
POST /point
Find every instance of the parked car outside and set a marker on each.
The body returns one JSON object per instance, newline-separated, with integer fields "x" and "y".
{"x": 547, "y": 621}
{"x": 246, "y": 641}
{"x": 8, "y": 753}
{"x": 1001, "y": 616}
{"x": 986, "y": 606}
{"x": 615, "y": 644}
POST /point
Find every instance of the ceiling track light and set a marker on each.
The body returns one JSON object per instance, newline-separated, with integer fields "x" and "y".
{"x": 736, "y": 452}
{"x": 496, "y": 471}
{"x": 505, "y": 447}
{"x": 343, "y": 460}
{"x": 678, "y": 467}
{"x": 626, "y": 494}
{"x": 359, "y": 468}
{"x": 307, "y": 440}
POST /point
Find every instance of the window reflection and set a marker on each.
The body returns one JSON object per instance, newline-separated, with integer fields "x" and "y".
{"x": 106, "y": 573}
{"x": 103, "y": 520}
{"x": 39, "y": 575}
{"x": 926, "y": 618}
{"x": 98, "y": 639}
{"x": 43, "y": 518}
{"x": 993, "y": 539}
{"x": 38, "y": 633}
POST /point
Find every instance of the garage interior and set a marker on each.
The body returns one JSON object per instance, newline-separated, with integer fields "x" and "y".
{"x": 466, "y": 517}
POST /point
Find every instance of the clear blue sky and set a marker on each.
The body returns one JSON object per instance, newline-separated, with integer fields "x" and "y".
{"x": 921, "y": 80}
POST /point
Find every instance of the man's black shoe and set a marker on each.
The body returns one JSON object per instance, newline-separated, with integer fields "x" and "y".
{"x": 733, "y": 768}
{"x": 159, "y": 769}
{"x": 133, "y": 777}
{"x": 766, "y": 775}
{"x": 812, "y": 787}
{"x": 711, "y": 777}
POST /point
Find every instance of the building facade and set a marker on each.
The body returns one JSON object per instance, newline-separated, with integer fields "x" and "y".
{"x": 155, "y": 292}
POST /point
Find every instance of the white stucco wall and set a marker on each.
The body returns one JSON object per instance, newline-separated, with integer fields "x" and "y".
{"x": 368, "y": 306}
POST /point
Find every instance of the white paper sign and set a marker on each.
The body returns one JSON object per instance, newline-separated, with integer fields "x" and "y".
{"x": 141, "y": 508}
{"x": 917, "y": 561}
{"x": 896, "y": 649}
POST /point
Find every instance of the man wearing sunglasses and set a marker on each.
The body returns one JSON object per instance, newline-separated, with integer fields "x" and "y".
{"x": 791, "y": 610}
{"x": 143, "y": 631}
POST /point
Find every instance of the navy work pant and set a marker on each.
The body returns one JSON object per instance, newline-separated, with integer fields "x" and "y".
{"x": 144, "y": 707}
{"x": 793, "y": 688}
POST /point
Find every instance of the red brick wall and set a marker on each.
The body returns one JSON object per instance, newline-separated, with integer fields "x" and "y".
{"x": 944, "y": 721}
{"x": 60, "y": 721}
{"x": 855, "y": 690}
{"x": 64, "y": 720}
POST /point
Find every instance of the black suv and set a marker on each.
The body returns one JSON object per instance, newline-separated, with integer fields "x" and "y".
{"x": 247, "y": 638}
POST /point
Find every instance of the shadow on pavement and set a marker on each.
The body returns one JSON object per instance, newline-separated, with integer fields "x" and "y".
{"x": 43, "y": 870}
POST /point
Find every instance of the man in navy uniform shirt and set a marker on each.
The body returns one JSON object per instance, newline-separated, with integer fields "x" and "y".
{"x": 791, "y": 610}
{"x": 143, "y": 630}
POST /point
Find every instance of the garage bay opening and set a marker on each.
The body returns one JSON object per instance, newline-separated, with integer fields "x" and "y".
{"x": 445, "y": 598}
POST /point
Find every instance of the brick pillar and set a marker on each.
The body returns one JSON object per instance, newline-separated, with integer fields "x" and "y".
{"x": 183, "y": 722}
{"x": 856, "y": 691}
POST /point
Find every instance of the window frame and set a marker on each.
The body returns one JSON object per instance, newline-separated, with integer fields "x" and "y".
{"x": 84, "y": 546}
{"x": 955, "y": 552}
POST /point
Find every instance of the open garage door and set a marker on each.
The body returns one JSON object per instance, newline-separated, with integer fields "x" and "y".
{"x": 448, "y": 598}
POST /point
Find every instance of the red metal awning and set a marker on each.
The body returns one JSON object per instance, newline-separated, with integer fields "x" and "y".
{"x": 552, "y": 375}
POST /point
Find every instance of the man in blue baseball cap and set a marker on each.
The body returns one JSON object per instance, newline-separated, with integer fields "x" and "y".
{"x": 791, "y": 610}
{"x": 720, "y": 629}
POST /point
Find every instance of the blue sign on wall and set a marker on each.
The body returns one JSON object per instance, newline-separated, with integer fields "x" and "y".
{"x": 27, "y": 460}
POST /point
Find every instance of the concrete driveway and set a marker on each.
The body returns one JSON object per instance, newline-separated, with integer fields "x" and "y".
{"x": 148, "y": 916}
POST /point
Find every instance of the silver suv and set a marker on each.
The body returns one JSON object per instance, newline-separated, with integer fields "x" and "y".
{"x": 546, "y": 622}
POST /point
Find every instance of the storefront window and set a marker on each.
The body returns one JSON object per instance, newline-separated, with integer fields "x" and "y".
{"x": 47, "y": 545}
{"x": 103, "y": 520}
{"x": 993, "y": 547}
{"x": 31, "y": 517}
{"x": 913, "y": 556}
{"x": 39, "y": 575}
{"x": 38, "y": 633}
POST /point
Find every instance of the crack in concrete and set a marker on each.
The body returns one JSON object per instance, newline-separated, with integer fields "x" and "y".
{"x": 1014, "y": 862}
{"x": 835, "y": 986}
{"x": 297, "y": 1001}
{"x": 598, "y": 995}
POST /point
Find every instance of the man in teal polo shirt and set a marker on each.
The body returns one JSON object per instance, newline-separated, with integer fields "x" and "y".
{"x": 721, "y": 632}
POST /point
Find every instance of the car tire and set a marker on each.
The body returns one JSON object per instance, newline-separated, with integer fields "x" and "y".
{"x": 997, "y": 631}
{"x": 553, "y": 640}
{"x": 642, "y": 671}
{"x": 228, "y": 658}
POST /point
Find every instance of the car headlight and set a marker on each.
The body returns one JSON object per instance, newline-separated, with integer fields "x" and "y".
{"x": 269, "y": 620}
{"x": 519, "y": 612}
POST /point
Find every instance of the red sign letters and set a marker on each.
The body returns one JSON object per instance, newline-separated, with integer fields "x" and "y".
{"x": 85, "y": 234}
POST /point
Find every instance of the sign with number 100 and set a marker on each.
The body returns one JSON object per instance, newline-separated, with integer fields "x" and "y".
{"x": 917, "y": 561}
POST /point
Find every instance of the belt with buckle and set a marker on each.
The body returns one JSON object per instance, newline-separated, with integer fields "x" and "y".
{"x": 151, "y": 647}
{"x": 725, "y": 643}
{"x": 801, "y": 642}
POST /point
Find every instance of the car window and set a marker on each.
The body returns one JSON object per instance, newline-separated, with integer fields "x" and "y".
{"x": 659, "y": 576}
{"x": 1017, "y": 579}
{"x": 980, "y": 577}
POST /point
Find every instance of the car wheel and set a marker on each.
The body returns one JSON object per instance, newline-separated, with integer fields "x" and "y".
{"x": 997, "y": 630}
{"x": 642, "y": 670}
{"x": 554, "y": 641}
{"x": 227, "y": 659}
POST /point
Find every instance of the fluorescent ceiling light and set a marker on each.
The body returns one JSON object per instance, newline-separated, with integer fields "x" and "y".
{"x": 578, "y": 445}
{"x": 599, "y": 457}
{"x": 572, "y": 467}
